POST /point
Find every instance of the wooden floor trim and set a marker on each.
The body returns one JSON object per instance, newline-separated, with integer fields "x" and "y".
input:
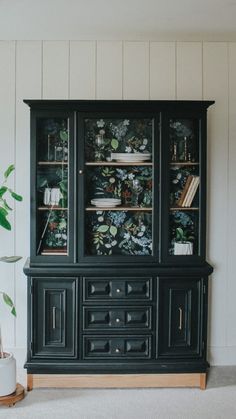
{"x": 116, "y": 380}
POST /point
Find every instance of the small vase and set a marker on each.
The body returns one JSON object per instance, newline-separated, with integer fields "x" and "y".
{"x": 7, "y": 374}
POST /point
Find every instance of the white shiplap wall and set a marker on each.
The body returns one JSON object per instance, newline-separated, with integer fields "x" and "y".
{"x": 125, "y": 70}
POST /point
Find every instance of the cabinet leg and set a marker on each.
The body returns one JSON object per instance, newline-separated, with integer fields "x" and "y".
{"x": 29, "y": 382}
{"x": 203, "y": 381}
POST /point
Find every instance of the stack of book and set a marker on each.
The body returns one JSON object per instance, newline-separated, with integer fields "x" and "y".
{"x": 189, "y": 191}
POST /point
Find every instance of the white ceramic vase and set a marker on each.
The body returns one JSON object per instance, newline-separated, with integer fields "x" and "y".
{"x": 185, "y": 248}
{"x": 7, "y": 374}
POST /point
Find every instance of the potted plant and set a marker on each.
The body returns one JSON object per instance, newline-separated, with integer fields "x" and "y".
{"x": 182, "y": 244}
{"x": 7, "y": 361}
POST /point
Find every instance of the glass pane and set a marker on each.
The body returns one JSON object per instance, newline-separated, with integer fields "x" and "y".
{"x": 52, "y": 140}
{"x": 184, "y": 187}
{"x": 119, "y": 189}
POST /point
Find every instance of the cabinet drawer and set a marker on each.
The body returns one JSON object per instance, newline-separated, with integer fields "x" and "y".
{"x": 117, "y": 289}
{"x": 117, "y": 318}
{"x": 117, "y": 347}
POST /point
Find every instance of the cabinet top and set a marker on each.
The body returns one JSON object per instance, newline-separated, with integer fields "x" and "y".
{"x": 91, "y": 105}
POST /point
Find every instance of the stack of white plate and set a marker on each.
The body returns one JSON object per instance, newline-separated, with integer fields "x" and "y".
{"x": 105, "y": 202}
{"x": 131, "y": 157}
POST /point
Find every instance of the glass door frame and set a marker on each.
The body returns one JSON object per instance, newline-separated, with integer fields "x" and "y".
{"x": 200, "y": 115}
{"x": 52, "y": 259}
{"x": 114, "y": 259}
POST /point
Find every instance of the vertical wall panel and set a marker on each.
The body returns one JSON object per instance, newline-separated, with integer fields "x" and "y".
{"x": 7, "y": 156}
{"x": 69, "y": 70}
{"x": 55, "y": 70}
{"x": 28, "y": 86}
{"x": 231, "y": 288}
{"x": 189, "y": 70}
{"x": 136, "y": 70}
{"x": 82, "y": 69}
{"x": 162, "y": 70}
{"x": 215, "y": 83}
{"x": 109, "y": 70}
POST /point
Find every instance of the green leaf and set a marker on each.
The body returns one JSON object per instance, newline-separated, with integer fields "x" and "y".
{"x": 9, "y": 170}
{"x": 13, "y": 311}
{"x": 103, "y": 228}
{"x": 179, "y": 233}
{"x": 7, "y": 299}
{"x": 3, "y": 189}
{"x": 6, "y": 206}
{"x": 113, "y": 231}
{"x": 3, "y": 221}
{"x": 16, "y": 196}
{"x": 63, "y": 135}
{"x": 114, "y": 143}
{"x": 10, "y": 259}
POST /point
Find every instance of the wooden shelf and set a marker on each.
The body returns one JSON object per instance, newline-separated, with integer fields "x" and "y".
{"x": 184, "y": 209}
{"x": 184, "y": 163}
{"x": 52, "y": 163}
{"x": 118, "y": 208}
{"x": 103, "y": 163}
{"x": 52, "y": 208}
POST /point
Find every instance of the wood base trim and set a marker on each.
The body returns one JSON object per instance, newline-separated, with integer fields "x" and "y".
{"x": 116, "y": 380}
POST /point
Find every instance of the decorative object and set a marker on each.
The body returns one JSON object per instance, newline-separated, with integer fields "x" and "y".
{"x": 136, "y": 189}
{"x": 182, "y": 245}
{"x": 99, "y": 141}
{"x": 52, "y": 196}
{"x": 7, "y": 360}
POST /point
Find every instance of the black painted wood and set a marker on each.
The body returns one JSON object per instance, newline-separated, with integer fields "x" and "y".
{"x": 118, "y": 314}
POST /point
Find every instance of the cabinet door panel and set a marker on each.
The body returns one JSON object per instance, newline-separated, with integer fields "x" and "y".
{"x": 180, "y": 317}
{"x": 54, "y": 317}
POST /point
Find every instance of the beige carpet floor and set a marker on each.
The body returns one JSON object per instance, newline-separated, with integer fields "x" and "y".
{"x": 218, "y": 401}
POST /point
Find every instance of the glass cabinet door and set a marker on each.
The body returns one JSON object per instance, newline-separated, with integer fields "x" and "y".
{"x": 53, "y": 147}
{"x": 119, "y": 186}
{"x": 185, "y": 146}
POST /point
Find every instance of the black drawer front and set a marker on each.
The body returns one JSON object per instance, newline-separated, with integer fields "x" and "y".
{"x": 117, "y": 318}
{"x": 117, "y": 347}
{"x": 117, "y": 289}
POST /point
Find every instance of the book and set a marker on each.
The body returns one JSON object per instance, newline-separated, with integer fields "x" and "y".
{"x": 184, "y": 192}
{"x": 192, "y": 191}
{"x": 189, "y": 192}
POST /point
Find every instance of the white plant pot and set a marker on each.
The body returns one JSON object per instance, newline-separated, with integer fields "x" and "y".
{"x": 7, "y": 374}
{"x": 185, "y": 248}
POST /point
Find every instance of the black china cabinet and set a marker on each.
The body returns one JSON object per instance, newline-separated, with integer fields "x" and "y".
{"x": 117, "y": 276}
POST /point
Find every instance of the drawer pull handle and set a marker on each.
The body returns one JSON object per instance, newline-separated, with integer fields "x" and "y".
{"x": 81, "y": 172}
{"x": 117, "y": 320}
{"x": 118, "y": 290}
{"x": 117, "y": 350}
{"x": 180, "y": 318}
{"x": 54, "y": 317}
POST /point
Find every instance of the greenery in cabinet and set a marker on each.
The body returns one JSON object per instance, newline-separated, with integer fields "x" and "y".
{"x": 119, "y": 232}
{"x": 105, "y": 135}
{"x": 5, "y": 209}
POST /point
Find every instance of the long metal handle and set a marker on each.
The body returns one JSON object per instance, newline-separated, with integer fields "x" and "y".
{"x": 180, "y": 318}
{"x": 54, "y": 317}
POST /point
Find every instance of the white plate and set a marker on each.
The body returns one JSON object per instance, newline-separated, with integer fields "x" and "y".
{"x": 105, "y": 202}
{"x": 132, "y": 157}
